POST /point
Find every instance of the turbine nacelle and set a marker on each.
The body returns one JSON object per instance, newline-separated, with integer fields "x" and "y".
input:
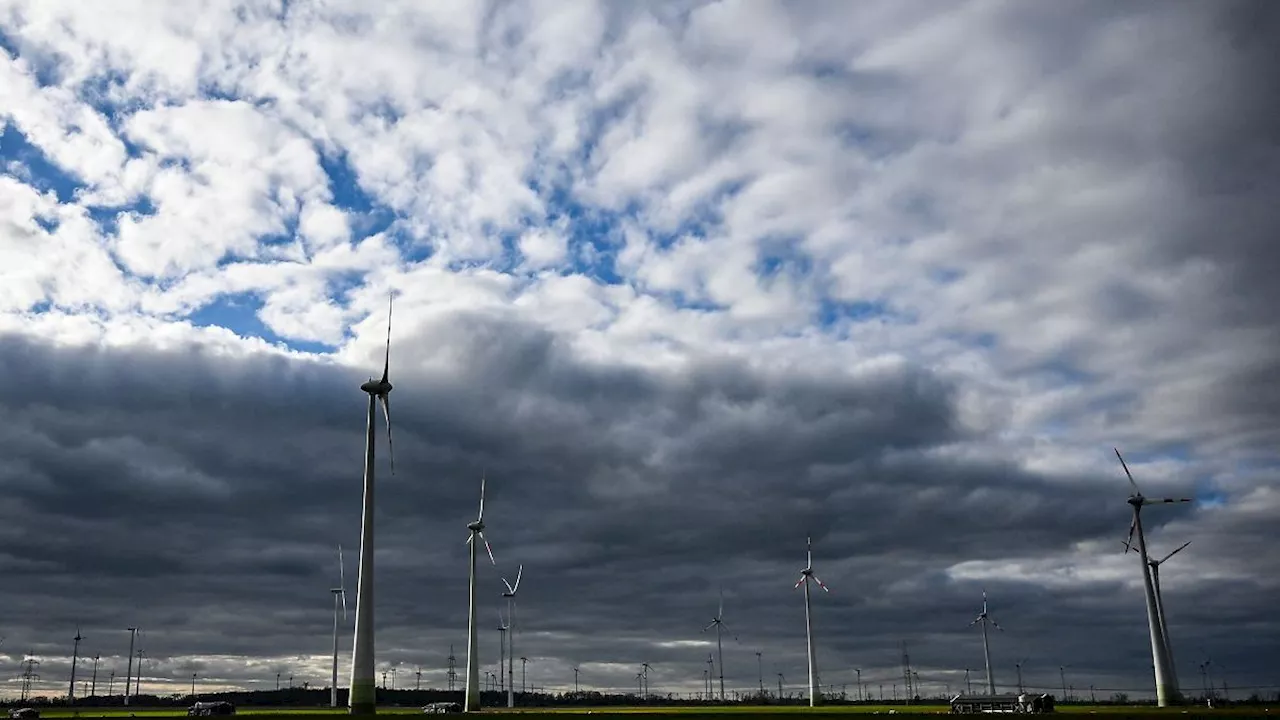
{"x": 377, "y": 387}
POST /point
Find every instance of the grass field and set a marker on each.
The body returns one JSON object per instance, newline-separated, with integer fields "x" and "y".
{"x": 686, "y": 713}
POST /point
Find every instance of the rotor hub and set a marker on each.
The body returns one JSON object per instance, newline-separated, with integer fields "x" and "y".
{"x": 475, "y": 526}
{"x": 1135, "y": 500}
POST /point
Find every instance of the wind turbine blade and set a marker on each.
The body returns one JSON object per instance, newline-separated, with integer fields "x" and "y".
{"x": 709, "y": 626}
{"x": 976, "y": 621}
{"x": 519, "y": 572}
{"x": 481, "y": 516}
{"x": 820, "y": 583}
{"x": 344, "y": 605}
{"x": 1133, "y": 526}
{"x": 488, "y": 549}
{"x": 808, "y": 553}
{"x": 1128, "y": 474}
{"x": 720, "y": 614}
{"x": 1156, "y": 501}
{"x": 1166, "y": 557}
{"x": 799, "y": 582}
{"x": 386, "y": 361}
{"x": 509, "y": 590}
{"x": 391, "y": 446}
{"x": 995, "y": 624}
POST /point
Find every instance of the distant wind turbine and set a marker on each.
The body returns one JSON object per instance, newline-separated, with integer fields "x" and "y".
{"x": 1166, "y": 678}
{"x": 339, "y": 598}
{"x": 1160, "y": 611}
{"x": 984, "y": 618}
{"x": 472, "y": 701}
{"x": 718, "y": 623}
{"x": 805, "y": 576}
{"x": 510, "y": 595}
{"x": 75, "y": 660}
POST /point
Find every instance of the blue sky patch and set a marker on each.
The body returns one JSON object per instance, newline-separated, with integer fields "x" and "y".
{"x": 239, "y": 313}
{"x": 29, "y": 164}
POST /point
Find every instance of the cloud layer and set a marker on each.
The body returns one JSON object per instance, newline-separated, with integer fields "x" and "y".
{"x": 687, "y": 283}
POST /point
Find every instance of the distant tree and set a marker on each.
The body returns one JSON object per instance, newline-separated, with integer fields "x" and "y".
{"x": 1120, "y": 699}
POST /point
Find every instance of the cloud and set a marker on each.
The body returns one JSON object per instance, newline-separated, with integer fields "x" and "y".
{"x": 686, "y": 282}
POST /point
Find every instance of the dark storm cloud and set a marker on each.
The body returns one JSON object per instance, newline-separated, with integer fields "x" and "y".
{"x": 201, "y": 498}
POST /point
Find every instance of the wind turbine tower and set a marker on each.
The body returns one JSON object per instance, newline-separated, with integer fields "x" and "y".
{"x": 1166, "y": 680}
{"x": 718, "y": 623}
{"x": 339, "y": 599}
{"x": 1154, "y": 565}
{"x": 510, "y": 595}
{"x": 984, "y": 618}
{"x": 805, "y": 576}
{"x": 472, "y": 702}
{"x": 75, "y": 660}
{"x": 362, "y": 697}
{"x": 133, "y": 634}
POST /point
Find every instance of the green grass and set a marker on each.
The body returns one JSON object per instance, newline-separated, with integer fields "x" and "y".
{"x": 686, "y": 712}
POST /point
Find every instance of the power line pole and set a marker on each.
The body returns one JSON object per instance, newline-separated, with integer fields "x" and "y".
{"x": 452, "y": 674}
{"x": 29, "y": 675}
{"x": 760, "y": 666}
{"x": 524, "y": 687}
{"x": 575, "y": 680}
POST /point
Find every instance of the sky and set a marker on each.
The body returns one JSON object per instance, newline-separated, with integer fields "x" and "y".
{"x": 687, "y": 282}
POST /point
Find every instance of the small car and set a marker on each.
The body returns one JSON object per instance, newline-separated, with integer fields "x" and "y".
{"x": 442, "y": 707}
{"x": 24, "y": 713}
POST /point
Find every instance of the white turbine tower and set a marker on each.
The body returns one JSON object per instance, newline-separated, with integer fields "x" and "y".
{"x": 718, "y": 623}
{"x": 339, "y": 599}
{"x": 805, "y": 576}
{"x": 984, "y": 618}
{"x": 1166, "y": 680}
{"x": 472, "y": 702}
{"x": 362, "y": 696}
{"x": 1160, "y": 611}
{"x": 510, "y": 595}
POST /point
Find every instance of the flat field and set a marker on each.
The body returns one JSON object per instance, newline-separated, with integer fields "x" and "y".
{"x": 685, "y": 713}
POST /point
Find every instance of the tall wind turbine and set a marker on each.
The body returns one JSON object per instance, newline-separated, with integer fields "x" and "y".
{"x": 472, "y": 702}
{"x": 805, "y": 576}
{"x": 363, "y": 694}
{"x": 1166, "y": 680}
{"x": 1160, "y": 611}
{"x": 718, "y": 623}
{"x": 984, "y": 618}
{"x": 75, "y": 660}
{"x": 339, "y": 598}
{"x": 510, "y": 595}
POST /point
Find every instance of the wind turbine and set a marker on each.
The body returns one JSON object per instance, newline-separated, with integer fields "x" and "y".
{"x": 805, "y": 576}
{"x": 1166, "y": 679}
{"x": 510, "y": 595}
{"x": 1160, "y": 612}
{"x": 75, "y": 660}
{"x": 503, "y": 627}
{"x": 984, "y": 618}
{"x": 718, "y": 623}
{"x": 362, "y": 697}
{"x": 339, "y": 598}
{"x": 472, "y": 702}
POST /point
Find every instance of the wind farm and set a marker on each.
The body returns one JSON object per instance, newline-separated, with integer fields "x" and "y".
{"x": 803, "y": 351}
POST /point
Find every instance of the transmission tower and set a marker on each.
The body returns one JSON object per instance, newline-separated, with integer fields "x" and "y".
{"x": 28, "y": 675}
{"x": 452, "y": 675}
{"x": 906, "y": 671}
